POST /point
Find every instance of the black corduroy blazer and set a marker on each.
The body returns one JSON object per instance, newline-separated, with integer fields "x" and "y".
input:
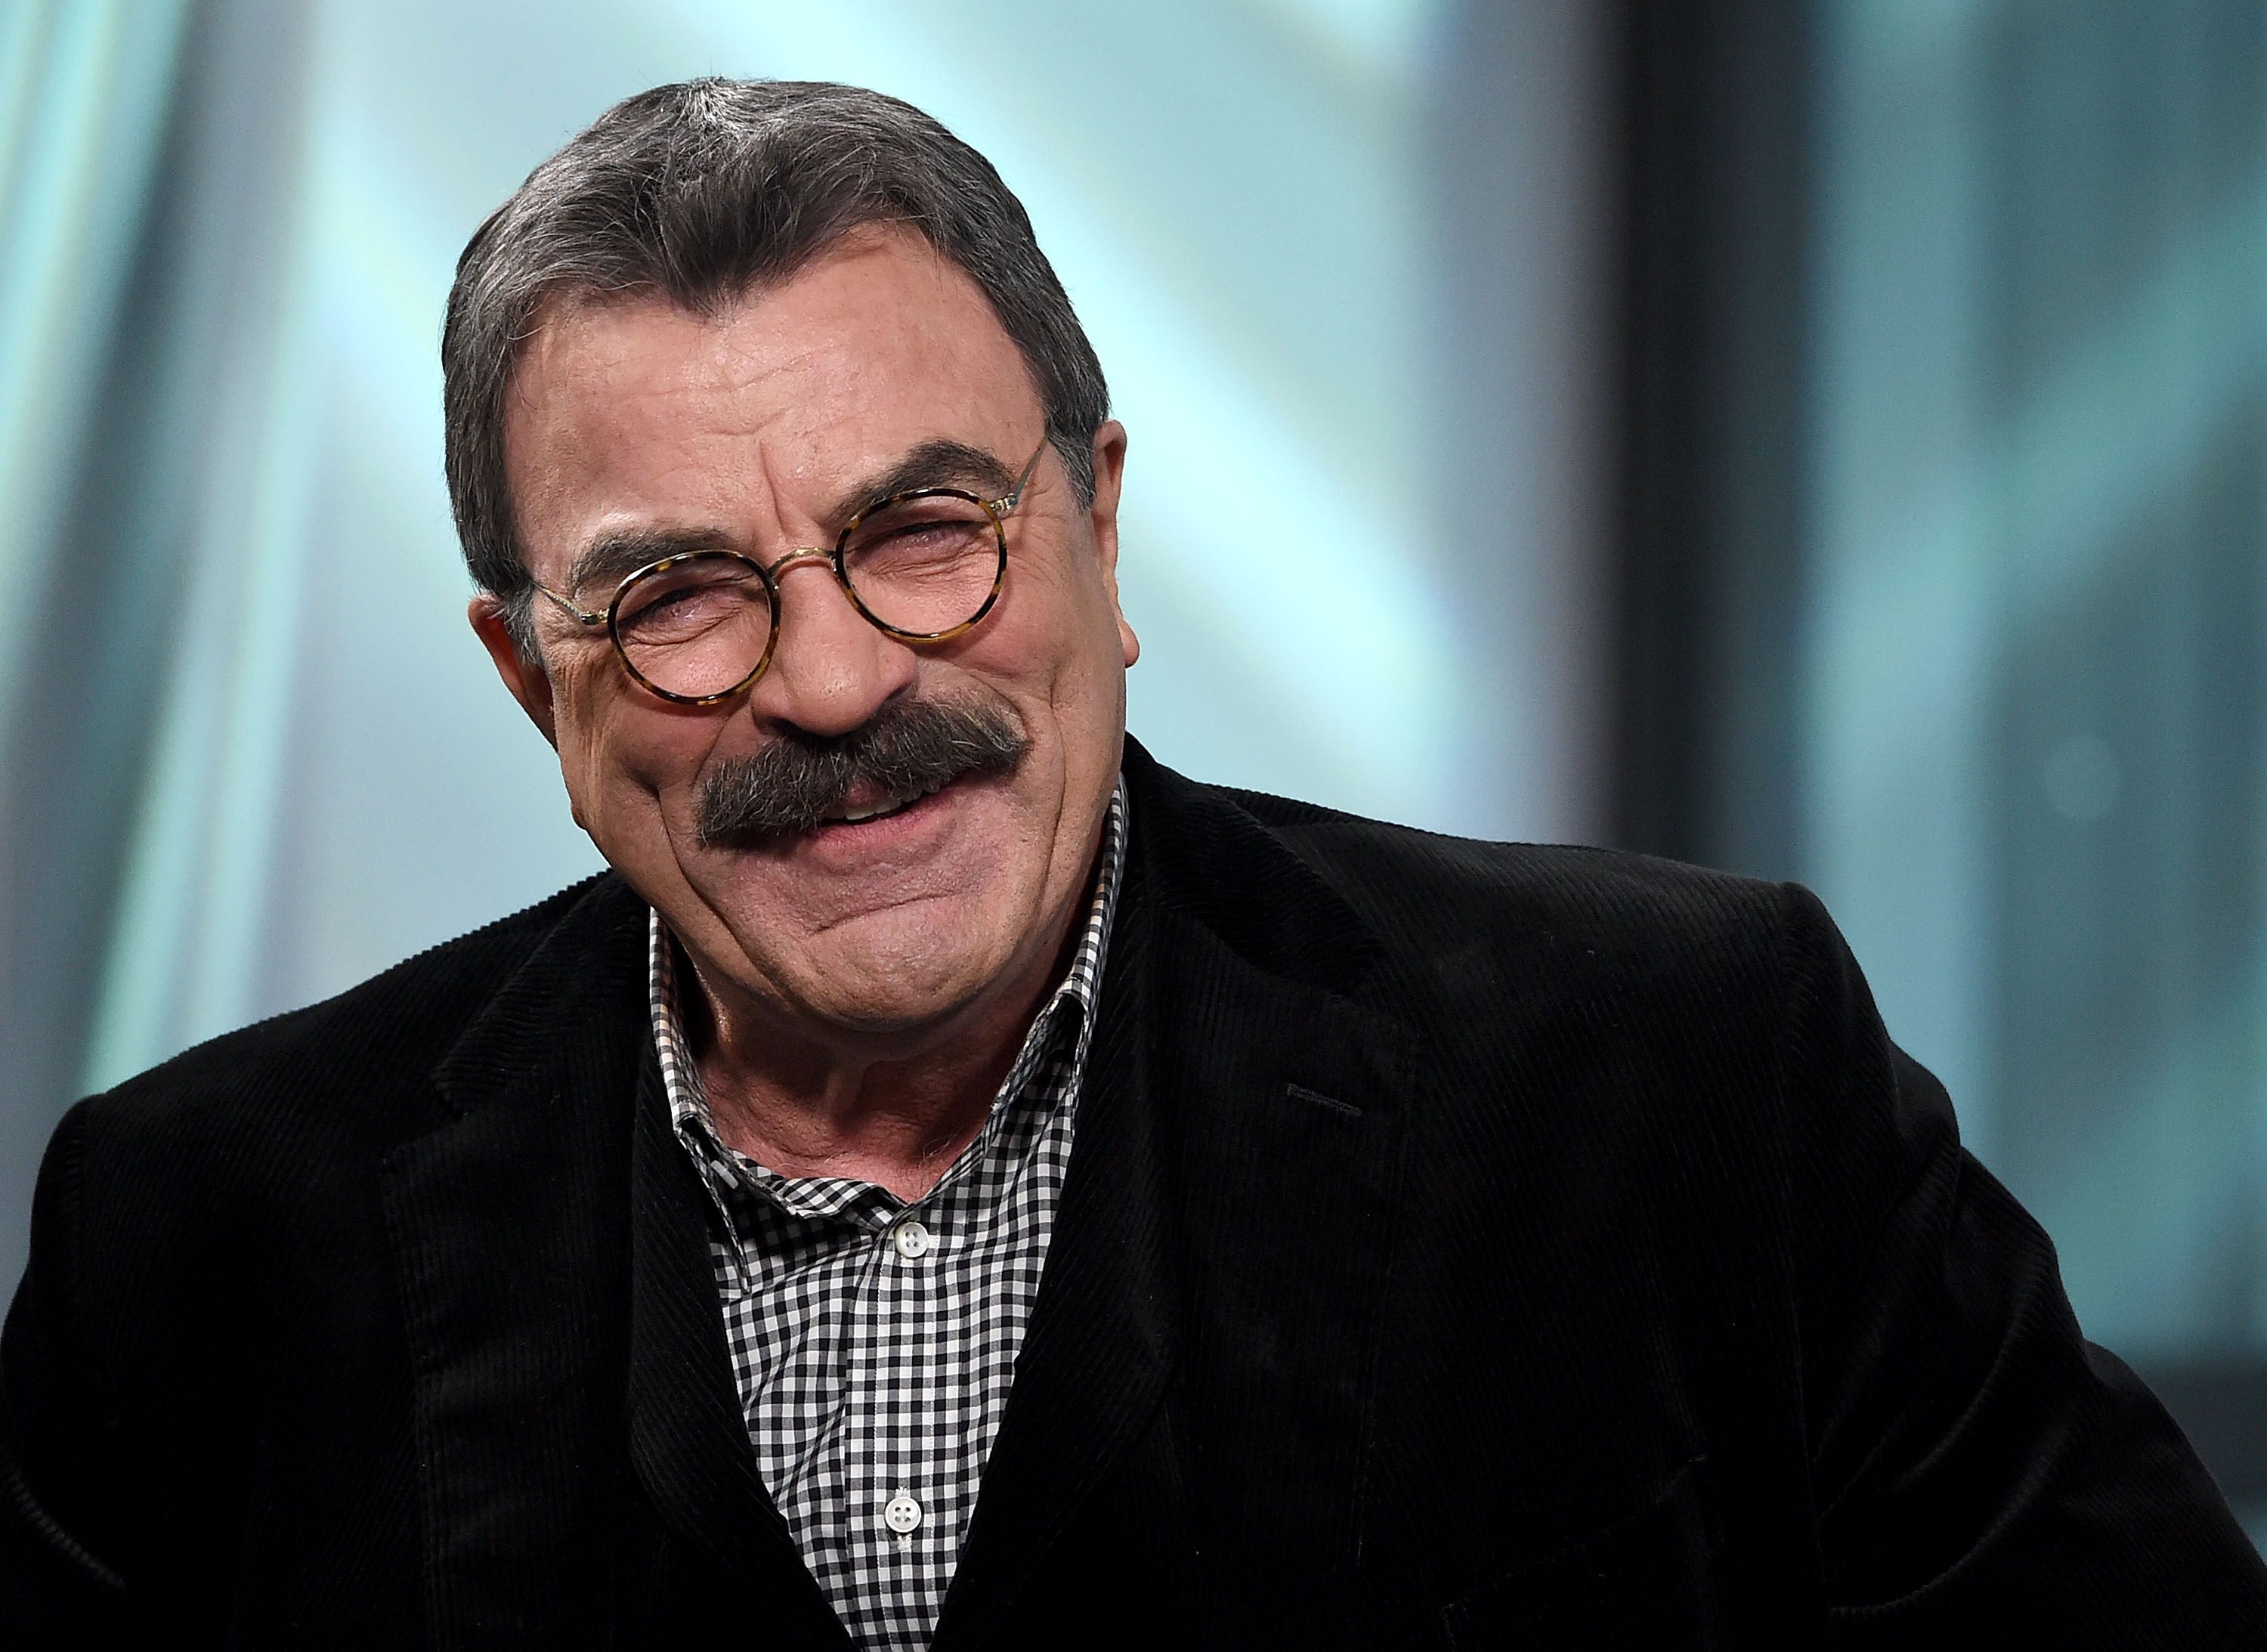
{"x": 1465, "y": 1245}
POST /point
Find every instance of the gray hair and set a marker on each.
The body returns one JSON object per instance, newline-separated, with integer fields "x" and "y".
{"x": 698, "y": 193}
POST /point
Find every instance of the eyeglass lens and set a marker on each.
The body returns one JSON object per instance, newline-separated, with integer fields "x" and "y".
{"x": 923, "y": 562}
{"x": 696, "y": 625}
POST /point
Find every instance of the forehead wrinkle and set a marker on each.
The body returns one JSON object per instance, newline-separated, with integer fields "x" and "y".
{"x": 757, "y": 395}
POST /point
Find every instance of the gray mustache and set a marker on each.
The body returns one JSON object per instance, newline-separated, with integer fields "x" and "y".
{"x": 792, "y": 783}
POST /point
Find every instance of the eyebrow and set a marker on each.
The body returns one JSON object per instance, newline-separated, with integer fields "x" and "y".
{"x": 611, "y": 558}
{"x": 934, "y": 464}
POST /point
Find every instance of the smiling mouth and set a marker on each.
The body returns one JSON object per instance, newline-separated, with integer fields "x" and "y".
{"x": 851, "y": 814}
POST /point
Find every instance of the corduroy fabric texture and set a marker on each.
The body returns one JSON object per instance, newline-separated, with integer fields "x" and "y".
{"x": 1464, "y": 1245}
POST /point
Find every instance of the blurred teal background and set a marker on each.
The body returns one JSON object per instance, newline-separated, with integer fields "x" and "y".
{"x": 1826, "y": 440}
{"x": 1942, "y": 586}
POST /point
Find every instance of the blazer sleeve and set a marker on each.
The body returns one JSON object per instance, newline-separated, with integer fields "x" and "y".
{"x": 59, "y": 1583}
{"x": 1982, "y": 1475}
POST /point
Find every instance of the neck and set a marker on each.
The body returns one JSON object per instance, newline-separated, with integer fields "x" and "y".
{"x": 898, "y": 1124}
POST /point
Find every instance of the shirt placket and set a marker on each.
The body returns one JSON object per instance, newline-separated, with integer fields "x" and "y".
{"x": 892, "y": 1487}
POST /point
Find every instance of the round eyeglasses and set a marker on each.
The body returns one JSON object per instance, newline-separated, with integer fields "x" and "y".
{"x": 922, "y": 566}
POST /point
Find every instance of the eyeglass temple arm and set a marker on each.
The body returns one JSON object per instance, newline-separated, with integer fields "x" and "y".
{"x": 574, "y": 613}
{"x": 1014, "y": 497}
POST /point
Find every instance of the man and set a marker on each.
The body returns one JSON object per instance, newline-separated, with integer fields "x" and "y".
{"x": 956, "y": 1182}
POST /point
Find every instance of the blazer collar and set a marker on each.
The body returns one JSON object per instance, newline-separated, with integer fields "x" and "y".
{"x": 1214, "y": 863}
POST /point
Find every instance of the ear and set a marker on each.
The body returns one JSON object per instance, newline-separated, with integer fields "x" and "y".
{"x": 1102, "y": 520}
{"x": 529, "y": 683}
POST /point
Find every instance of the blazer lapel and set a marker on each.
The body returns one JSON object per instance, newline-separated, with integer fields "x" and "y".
{"x": 689, "y": 1440}
{"x": 508, "y": 1220}
{"x": 1098, "y": 1348}
{"x": 553, "y": 1263}
{"x": 1286, "y": 1103}
{"x": 1224, "y": 1228}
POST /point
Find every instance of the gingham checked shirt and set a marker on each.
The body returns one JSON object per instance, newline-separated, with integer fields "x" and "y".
{"x": 874, "y": 1340}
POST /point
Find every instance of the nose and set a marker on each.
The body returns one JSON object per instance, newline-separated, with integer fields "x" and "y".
{"x": 831, "y": 669}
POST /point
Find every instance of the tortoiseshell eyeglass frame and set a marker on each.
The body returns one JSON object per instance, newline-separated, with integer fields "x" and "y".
{"x": 998, "y": 509}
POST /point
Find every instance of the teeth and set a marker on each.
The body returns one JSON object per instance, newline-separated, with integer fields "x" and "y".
{"x": 887, "y": 806}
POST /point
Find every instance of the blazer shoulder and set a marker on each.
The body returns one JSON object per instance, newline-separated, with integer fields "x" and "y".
{"x": 336, "y": 1063}
{"x": 1415, "y": 886}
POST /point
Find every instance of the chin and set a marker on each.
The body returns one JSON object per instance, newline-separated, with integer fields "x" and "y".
{"x": 911, "y": 966}
{"x": 898, "y": 996}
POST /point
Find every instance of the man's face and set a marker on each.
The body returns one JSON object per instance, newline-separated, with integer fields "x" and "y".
{"x": 751, "y": 431}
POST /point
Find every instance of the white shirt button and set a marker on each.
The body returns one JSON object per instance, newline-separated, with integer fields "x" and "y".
{"x": 902, "y": 1514}
{"x": 912, "y": 1240}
